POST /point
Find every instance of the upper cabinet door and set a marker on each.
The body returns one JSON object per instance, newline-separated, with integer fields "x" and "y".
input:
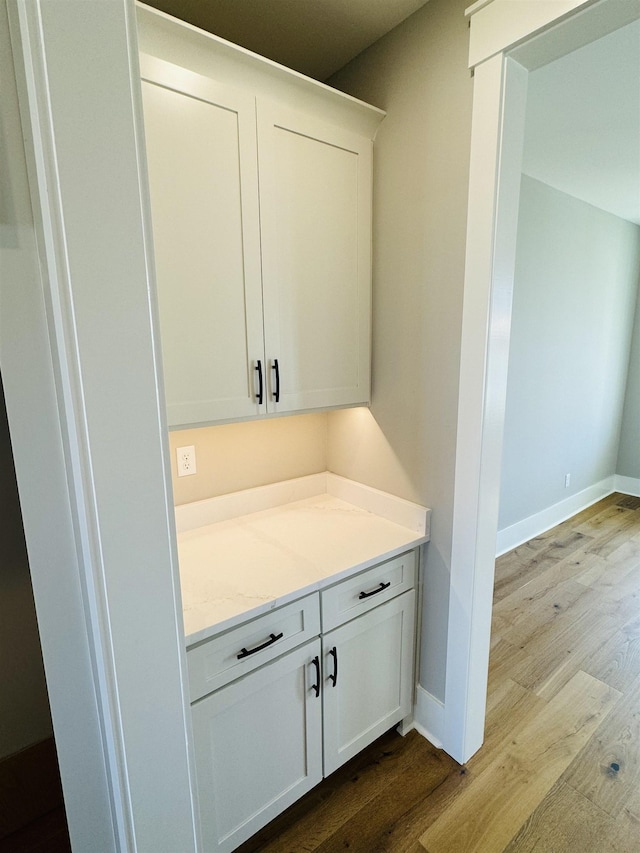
{"x": 315, "y": 211}
{"x": 201, "y": 151}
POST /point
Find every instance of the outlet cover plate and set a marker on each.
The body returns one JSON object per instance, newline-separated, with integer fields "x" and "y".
{"x": 186, "y": 457}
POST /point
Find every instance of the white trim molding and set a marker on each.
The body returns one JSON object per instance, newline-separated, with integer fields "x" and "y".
{"x": 501, "y": 25}
{"x": 494, "y": 187}
{"x": 627, "y": 485}
{"x": 428, "y": 717}
{"x": 508, "y": 38}
{"x": 522, "y": 531}
{"x": 128, "y": 783}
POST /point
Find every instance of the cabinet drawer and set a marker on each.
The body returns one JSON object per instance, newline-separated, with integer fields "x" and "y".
{"x": 240, "y": 650}
{"x": 361, "y": 593}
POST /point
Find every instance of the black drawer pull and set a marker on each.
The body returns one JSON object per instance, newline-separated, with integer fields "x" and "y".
{"x": 334, "y": 654}
{"x": 273, "y": 638}
{"x": 276, "y": 393}
{"x": 260, "y": 394}
{"x": 382, "y": 587}
{"x": 316, "y": 686}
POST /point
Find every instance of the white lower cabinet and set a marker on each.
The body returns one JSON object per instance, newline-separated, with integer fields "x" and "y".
{"x": 270, "y": 735}
{"x": 368, "y": 678}
{"x": 258, "y": 747}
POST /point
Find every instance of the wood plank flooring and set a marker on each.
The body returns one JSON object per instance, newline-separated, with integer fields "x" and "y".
{"x": 559, "y": 771}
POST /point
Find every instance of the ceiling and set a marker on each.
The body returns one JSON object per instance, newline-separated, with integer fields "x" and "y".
{"x": 583, "y": 123}
{"x": 315, "y": 37}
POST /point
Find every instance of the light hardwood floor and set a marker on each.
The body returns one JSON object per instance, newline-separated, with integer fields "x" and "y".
{"x": 559, "y": 771}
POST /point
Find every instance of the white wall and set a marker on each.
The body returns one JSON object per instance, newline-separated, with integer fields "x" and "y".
{"x": 575, "y": 291}
{"x": 629, "y": 452}
{"x": 406, "y": 444}
{"x": 24, "y": 704}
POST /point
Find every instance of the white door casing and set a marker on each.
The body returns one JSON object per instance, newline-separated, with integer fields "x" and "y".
{"x": 508, "y": 38}
{"x": 89, "y": 388}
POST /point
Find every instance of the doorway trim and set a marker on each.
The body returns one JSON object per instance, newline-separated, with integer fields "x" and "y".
{"x": 509, "y": 38}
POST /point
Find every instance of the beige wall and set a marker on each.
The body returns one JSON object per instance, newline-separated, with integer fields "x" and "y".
{"x": 24, "y": 705}
{"x": 232, "y": 457}
{"x": 418, "y": 74}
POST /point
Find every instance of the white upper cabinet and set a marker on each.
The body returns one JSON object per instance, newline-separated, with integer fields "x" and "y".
{"x": 315, "y": 210}
{"x": 260, "y": 184}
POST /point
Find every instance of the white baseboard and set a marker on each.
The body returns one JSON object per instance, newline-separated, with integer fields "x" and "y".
{"x": 534, "y": 525}
{"x": 428, "y": 717}
{"x": 627, "y": 485}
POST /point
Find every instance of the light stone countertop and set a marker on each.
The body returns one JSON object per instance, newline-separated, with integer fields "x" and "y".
{"x": 237, "y": 568}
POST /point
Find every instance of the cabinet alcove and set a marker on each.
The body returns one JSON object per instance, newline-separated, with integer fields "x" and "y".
{"x": 261, "y": 199}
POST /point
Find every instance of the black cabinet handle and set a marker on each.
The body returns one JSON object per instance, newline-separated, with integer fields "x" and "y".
{"x": 260, "y": 393}
{"x": 276, "y": 393}
{"x": 382, "y": 587}
{"x": 334, "y": 654}
{"x": 273, "y": 638}
{"x": 316, "y": 686}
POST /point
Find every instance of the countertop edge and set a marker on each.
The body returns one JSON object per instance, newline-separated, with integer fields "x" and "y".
{"x": 221, "y": 627}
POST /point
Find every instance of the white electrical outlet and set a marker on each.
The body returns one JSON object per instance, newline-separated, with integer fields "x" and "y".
{"x": 567, "y": 480}
{"x": 186, "y": 460}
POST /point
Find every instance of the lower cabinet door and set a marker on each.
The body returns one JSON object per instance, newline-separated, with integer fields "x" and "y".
{"x": 367, "y": 678}
{"x": 258, "y": 744}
